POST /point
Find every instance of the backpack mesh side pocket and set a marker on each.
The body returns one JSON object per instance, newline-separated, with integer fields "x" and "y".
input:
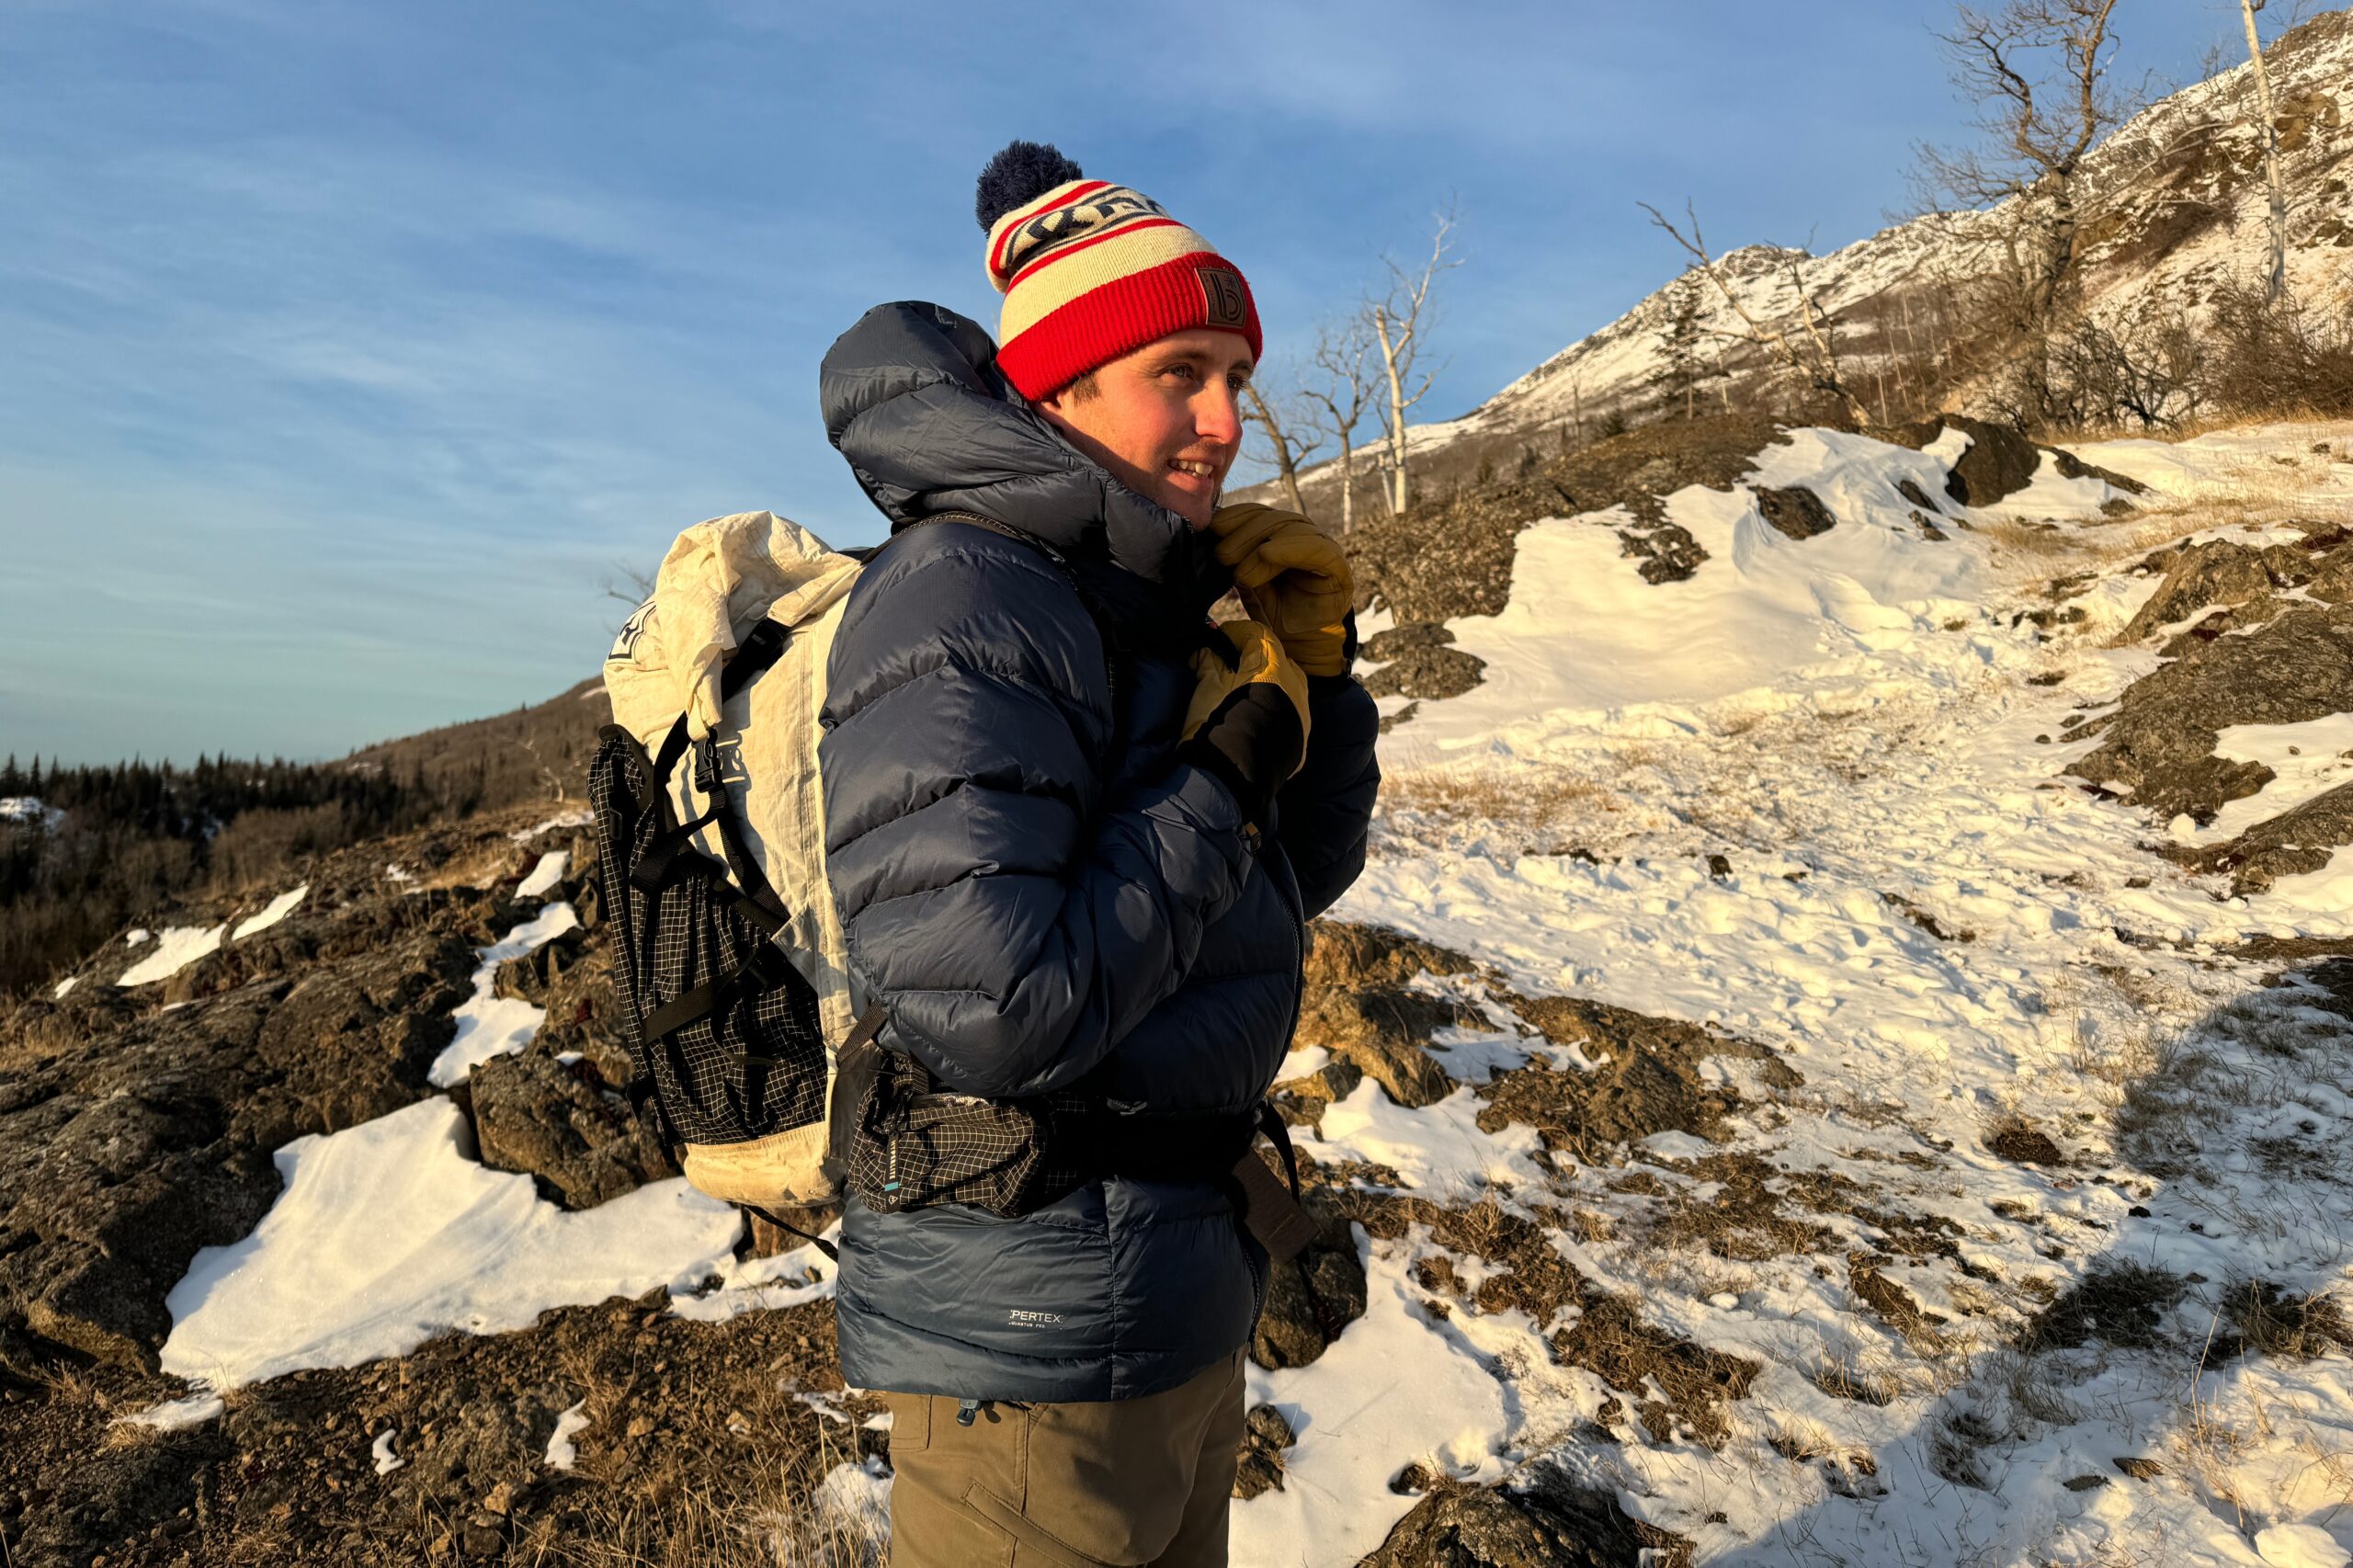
{"x": 724, "y": 1032}
{"x": 915, "y": 1146}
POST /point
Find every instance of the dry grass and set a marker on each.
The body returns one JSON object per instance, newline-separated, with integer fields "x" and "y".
{"x": 1537, "y": 804}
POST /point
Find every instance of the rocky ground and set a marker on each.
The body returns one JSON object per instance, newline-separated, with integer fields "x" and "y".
{"x": 1833, "y": 1130}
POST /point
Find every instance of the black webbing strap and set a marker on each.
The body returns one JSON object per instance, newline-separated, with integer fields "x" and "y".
{"x": 1278, "y": 1132}
{"x": 820, "y": 1242}
{"x": 766, "y": 966}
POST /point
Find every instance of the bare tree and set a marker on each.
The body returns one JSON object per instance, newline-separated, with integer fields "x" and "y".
{"x": 1816, "y": 359}
{"x": 2039, "y": 71}
{"x": 1400, "y": 316}
{"x": 1343, "y": 392}
{"x": 1289, "y": 432}
{"x": 2276, "y": 279}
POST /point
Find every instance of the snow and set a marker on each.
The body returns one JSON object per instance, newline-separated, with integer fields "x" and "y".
{"x": 579, "y": 817}
{"x": 1845, "y": 720}
{"x": 2309, "y": 759}
{"x": 135, "y": 936}
{"x": 279, "y": 908}
{"x": 545, "y": 875}
{"x": 1846, "y": 723}
{"x": 175, "y": 949}
{"x": 1399, "y": 1385}
{"x": 390, "y": 1233}
{"x": 763, "y": 1284}
{"x": 29, "y": 811}
{"x": 172, "y": 1416}
{"x": 1584, "y": 642}
{"x": 65, "y": 987}
{"x": 386, "y": 1459}
{"x": 2300, "y": 1546}
{"x": 561, "y": 1454}
{"x": 490, "y": 1025}
{"x": 850, "y": 1507}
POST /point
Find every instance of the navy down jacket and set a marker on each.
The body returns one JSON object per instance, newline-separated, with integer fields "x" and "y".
{"x": 1039, "y": 892}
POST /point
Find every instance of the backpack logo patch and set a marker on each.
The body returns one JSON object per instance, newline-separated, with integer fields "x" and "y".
{"x": 625, "y": 645}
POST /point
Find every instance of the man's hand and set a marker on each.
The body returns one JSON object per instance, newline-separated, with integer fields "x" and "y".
{"x": 1291, "y": 577}
{"x": 1247, "y": 723}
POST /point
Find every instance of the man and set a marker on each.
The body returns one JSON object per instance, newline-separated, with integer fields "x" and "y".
{"x": 1074, "y": 853}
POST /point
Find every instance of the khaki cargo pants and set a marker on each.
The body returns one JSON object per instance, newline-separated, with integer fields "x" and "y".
{"x": 1126, "y": 1482}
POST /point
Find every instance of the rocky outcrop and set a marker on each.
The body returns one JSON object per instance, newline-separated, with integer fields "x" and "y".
{"x": 1265, "y": 1436}
{"x": 1539, "y": 1519}
{"x": 1648, "y": 1078}
{"x": 1443, "y": 561}
{"x": 1415, "y": 660}
{"x": 1795, "y": 512}
{"x": 2157, "y": 747}
{"x": 556, "y": 1122}
{"x": 2000, "y": 461}
{"x": 2226, "y": 574}
{"x": 1358, "y": 1006}
{"x": 138, "y": 1125}
{"x": 2293, "y": 843}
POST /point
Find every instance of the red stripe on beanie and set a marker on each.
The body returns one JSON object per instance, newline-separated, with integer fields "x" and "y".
{"x": 1119, "y": 318}
{"x": 1045, "y": 203}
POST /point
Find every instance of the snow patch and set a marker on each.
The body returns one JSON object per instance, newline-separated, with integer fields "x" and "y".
{"x": 490, "y": 1025}
{"x": 390, "y": 1233}
{"x": 562, "y": 1454}
{"x": 545, "y": 875}
{"x": 174, "y": 1415}
{"x": 65, "y": 987}
{"x": 386, "y": 1461}
{"x": 1398, "y": 1385}
{"x": 581, "y": 817}
{"x": 178, "y": 946}
{"x": 279, "y": 908}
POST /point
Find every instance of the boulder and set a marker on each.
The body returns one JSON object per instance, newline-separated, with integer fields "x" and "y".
{"x": 1795, "y": 511}
{"x": 1415, "y": 662}
{"x": 1539, "y": 1519}
{"x": 532, "y": 1113}
{"x": 1265, "y": 1436}
{"x": 2157, "y": 745}
{"x": 1299, "y": 1325}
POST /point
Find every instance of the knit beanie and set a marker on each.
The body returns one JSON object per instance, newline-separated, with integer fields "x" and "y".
{"x": 1092, "y": 270}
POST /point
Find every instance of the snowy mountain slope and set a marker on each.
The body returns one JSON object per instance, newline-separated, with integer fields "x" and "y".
{"x": 1820, "y": 810}
{"x": 2181, "y": 193}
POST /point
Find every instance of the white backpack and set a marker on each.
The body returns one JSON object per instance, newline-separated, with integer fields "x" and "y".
{"x": 728, "y": 955}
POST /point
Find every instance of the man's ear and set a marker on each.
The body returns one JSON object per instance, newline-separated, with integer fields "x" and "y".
{"x": 1053, "y": 408}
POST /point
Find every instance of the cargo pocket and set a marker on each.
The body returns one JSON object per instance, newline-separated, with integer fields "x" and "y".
{"x": 1032, "y": 1540}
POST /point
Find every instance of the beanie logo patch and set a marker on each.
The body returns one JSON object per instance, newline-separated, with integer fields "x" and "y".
{"x": 1222, "y": 302}
{"x": 1097, "y": 214}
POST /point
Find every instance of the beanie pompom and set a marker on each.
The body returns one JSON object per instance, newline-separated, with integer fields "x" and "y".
{"x": 1023, "y": 172}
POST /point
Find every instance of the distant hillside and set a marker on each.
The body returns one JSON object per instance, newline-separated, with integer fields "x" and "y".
{"x": 86, "y": 852}
{"x": 538, "y": 753}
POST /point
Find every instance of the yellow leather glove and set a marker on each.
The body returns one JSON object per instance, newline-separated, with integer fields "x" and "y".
{"x": 1259, "y": 661}
{"x": 1292, "y": 577}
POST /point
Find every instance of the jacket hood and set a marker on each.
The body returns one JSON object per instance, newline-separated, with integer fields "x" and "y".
{"x": 913, "y": 397}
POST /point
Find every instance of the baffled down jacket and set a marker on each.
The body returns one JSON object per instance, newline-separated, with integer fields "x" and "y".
{"x": 1039, "y": 892}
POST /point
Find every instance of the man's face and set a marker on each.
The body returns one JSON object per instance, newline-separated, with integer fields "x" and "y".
{"x": 1166, "y": 420}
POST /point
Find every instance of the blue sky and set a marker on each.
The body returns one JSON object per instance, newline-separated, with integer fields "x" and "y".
{"x": 346, "y": 350}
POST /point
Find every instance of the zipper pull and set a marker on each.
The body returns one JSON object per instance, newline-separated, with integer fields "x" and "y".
{"x": 966, "y": 1409}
